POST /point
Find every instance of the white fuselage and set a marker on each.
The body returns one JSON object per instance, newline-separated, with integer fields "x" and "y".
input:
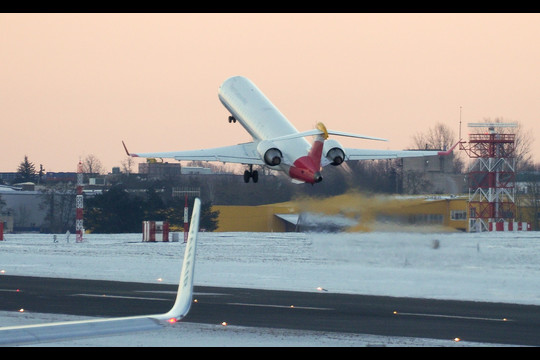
{"x": 261, "y": 119}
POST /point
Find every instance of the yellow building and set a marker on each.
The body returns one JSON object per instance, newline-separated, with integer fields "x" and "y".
{"x": 262, "y": 218}
{"x": 348, "y": 212}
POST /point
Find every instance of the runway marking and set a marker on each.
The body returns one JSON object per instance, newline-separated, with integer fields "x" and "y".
{"x": 282, "y": 306}
{"x": 453, "y": 316}
{"x": 121, "y": 297}
{"x": 174, "y": 292}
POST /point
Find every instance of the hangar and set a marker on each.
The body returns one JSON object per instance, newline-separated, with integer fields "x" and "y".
{"x": 348, "y": 212}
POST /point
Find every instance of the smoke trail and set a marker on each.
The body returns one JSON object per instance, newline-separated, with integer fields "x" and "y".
{"x": 370, "y": 211}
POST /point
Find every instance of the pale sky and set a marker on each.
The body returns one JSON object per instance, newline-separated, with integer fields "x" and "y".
{"x": 73, "y": 85}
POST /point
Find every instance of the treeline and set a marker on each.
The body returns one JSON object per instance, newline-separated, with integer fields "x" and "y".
{"x": 119, "y": 211}
{"x": 124, "y": 206}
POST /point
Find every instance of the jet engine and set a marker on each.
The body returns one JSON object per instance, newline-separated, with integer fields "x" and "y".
{"x": 333, "y": 151}
{"x": 271, "y": 154}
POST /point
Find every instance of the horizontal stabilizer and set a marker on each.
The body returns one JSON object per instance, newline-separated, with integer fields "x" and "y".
{"x": 331, "y": 132}
{"x": 341, "y": 133}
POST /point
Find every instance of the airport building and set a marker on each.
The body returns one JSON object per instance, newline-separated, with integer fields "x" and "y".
{"x": 349, "y": 212}
{"x": 432, "y": 174}
{"x": 21, "y": 209}
{"x": 159, "y": 170}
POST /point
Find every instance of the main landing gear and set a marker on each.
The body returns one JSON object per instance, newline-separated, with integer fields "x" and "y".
{"x": 232, "y": 119}
{"x": 251, "y": 174}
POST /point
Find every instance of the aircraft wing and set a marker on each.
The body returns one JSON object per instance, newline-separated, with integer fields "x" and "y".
{"x": 245, "y": 153}
{"x": 370, "y": 154}
{"x": 13, "y": 335}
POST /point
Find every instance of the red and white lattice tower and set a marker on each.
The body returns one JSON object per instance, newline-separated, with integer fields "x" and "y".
{"x": 491, "y": 177}
{"x": 79, "y": 229}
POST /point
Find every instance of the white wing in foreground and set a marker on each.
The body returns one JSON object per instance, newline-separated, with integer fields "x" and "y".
{"x": 13, "y": 335}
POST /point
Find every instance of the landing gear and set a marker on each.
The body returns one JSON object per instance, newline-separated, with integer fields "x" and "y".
{"x": 251, "y": 174}
{"x": 232, "y": 119}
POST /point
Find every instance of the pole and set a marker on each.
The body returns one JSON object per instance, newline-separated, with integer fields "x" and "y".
{"x": 79, "y": 205}
{"x": 459, "y": 124}
{"x": 186, "y": 222}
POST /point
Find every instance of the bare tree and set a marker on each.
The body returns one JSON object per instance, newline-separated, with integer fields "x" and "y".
{"x": 59, "y": 203}
{"x": 127, "y": 164}
{"x": 440, "y": 137}
{"x": 415, "y": 182}
{"x": 92, "y": 165}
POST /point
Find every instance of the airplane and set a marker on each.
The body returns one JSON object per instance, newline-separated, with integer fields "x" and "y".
{"x": 277, "y": 144}
{"x": 39, "y": 333}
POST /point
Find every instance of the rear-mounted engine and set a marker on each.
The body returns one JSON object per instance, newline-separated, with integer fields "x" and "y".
{"x": 333, "y": 152}
{"x": 271, "y": 154}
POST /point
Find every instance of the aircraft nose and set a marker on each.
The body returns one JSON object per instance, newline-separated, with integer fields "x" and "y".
{"x": 317, "y": 177}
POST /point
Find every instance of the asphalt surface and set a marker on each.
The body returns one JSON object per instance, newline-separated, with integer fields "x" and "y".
{"x": 496, "y": 323}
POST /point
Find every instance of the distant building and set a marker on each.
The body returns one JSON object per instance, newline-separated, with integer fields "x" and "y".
{"x": 56, "y": 177}
{"x": 22, "y": 210}
{"x": 159, "y": 170}
{"x": 8, "y": 177}
{"x": 25, "y": 186}
{"x": 49, "y": 176}
{"x": 100, "y": 181}
{"x": 432, "y": 175}
{"x": 196, "y": 170}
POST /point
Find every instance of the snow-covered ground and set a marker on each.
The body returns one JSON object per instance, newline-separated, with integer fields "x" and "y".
{"x": 497, "y": 266}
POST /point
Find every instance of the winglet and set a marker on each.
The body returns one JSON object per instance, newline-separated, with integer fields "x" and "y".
{"x": 449, "y": 151}
{"x": 127, "y": 152}
{"x": 185, "y": 287}
{"x": 125, "y": 148}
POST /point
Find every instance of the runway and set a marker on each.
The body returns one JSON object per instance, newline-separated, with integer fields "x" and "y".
{"x": 497, "y": 323}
